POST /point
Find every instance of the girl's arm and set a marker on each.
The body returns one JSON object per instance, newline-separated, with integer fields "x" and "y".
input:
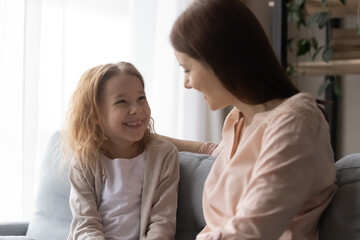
{"x": 86, "y": 223}
{"x": 183, "y": 145}
{"x": 162, "y": 219}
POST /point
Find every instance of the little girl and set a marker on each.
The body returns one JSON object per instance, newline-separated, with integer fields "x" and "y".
{"x": 123, "y": 180}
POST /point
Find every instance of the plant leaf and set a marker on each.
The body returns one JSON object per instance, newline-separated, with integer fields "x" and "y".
{"x": 314, "y": 19}
{"x": 291, "y": 72}
{"x": 289, "y": 16}
{"x": 337, "y": 89}
{"x": 303, "y": 47}
{"x": 299, "y": 2}
{"x": 323, "y": 19}
{"x": 298, "y": 25}
{"x": 317, "y": 52}
{"x": 289, "y": 44}
{"x": 322, "y": 87}
{"x": 358, "y": 29}
{"x": 301, "y": 12}
{"x": 323, "y": 3}
{"x": 343, "y": 2}
{"x": 296, "y": 16}
{"x": 314, "y": 43}
{"x": 327, "y": 53}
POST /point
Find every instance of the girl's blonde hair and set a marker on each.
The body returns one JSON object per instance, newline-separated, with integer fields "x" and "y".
{"x": 82, "y": 135}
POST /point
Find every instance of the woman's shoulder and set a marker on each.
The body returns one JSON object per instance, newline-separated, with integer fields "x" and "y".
{"x": 301, "y": 105}
{"x": 299, "y": 111}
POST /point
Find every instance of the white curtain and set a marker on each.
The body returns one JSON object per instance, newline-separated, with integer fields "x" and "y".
{"x": 45, "y": 45}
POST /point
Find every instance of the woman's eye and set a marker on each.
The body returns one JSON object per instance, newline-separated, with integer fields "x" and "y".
{"x": 186, "y": 71}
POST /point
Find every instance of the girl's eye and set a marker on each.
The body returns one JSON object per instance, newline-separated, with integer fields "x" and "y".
{"x": 121, "y": 101}
{"x": 142, "y": 98}
{"x": 186, "y": 71}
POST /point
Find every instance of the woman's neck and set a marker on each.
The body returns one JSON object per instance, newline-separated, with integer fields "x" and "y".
{"x": 248, "y": 110}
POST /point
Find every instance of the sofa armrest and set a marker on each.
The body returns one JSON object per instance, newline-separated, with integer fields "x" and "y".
{"x": 13, "y": 228}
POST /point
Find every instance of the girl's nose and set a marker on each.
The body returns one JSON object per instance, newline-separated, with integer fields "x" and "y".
{"x": 134, "y": 108}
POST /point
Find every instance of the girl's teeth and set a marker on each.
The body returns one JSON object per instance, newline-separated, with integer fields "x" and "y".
{"x": 134, "y": 123}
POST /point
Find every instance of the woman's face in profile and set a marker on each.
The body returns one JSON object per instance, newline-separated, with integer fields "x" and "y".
{"x": 202, "y": 78}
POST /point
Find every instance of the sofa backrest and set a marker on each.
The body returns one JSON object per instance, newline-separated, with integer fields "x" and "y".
{"x": 52, "y": 216}
{"x": 341, "y": 220}
{"x": 194, "y": 169}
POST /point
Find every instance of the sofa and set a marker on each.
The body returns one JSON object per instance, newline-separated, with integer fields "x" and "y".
{"x": 52, "y": 216}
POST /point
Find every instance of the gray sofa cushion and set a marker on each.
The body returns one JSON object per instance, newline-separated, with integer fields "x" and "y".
{"x": 341, "y": 220}
{"x": 13, "y": 228}
{"x": 194, "y": 169}
{"x": 16, "y": 238}
{"x": 52, "y": 216}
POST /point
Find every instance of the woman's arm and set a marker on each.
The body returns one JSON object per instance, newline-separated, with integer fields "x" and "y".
{"x": 183, "y": 145}
{"x": 86, "y": 222}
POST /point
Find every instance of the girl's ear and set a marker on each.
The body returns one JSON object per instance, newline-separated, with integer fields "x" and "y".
{"x": 96, "y": 119}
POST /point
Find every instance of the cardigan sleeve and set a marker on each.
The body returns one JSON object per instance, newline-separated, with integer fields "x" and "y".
{"x": 280, "y": 184}
{"x": 87, "y": 221}
{"x": 162, "y": 219}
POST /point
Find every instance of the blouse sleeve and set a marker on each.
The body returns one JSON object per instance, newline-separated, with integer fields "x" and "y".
{"x": 211, "y": 148}
{"x": 280, "y": 183}
{"x": 86, "y": 223}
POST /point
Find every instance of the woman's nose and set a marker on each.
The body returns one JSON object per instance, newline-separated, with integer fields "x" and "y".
{"x": 187, "y": 83}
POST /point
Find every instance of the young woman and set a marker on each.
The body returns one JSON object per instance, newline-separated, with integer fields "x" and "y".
{"x": 123, "y": 180}
{"x": 274, "y": 174}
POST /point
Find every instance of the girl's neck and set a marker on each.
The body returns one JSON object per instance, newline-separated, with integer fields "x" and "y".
{"x": 129, "y": 151}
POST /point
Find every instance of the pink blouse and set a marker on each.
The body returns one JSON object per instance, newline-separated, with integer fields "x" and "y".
{"x": 279, "y": 179}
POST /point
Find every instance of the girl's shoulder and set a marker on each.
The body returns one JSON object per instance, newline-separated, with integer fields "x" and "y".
{"x": 158, "y": 144}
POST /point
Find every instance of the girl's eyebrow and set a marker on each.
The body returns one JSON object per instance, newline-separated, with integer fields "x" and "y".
{"x": 121, "y": 95}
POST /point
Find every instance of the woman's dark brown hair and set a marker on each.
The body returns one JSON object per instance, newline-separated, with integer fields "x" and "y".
{"x": 225, "y": 35}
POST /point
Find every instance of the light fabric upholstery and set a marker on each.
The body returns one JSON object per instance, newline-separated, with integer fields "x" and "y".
{"x": 13, "y": 228}
{"x": 194, "y": 169}
{"x": 341, "y": 220}
{"x": 52, "y": 216}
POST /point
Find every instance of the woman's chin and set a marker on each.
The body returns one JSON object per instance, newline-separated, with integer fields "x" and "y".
{"x": 213, "y": 107}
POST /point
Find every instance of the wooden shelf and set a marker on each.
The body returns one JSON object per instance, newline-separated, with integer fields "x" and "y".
{"x": 336, "y": 67}
{"x": 337, "y": 9}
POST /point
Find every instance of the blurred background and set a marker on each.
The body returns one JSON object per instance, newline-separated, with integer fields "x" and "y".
{"x": 45, "y": 46}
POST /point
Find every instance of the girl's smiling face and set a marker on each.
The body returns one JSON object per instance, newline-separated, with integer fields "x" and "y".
{"x": 202, "y": 78}
{"x": 124, "y": 110}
